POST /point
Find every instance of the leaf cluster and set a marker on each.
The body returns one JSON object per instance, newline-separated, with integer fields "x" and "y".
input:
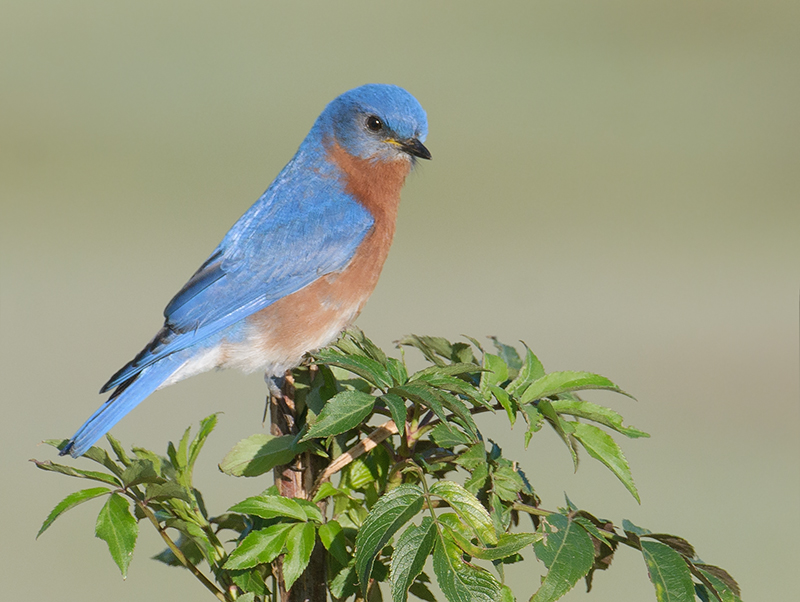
{"x": 412, "y": 490}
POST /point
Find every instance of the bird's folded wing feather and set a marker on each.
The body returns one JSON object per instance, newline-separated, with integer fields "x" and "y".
{"x": 282, "y": 244}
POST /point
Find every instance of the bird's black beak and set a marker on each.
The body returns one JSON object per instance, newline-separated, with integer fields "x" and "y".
{"x": 414, "y": 148}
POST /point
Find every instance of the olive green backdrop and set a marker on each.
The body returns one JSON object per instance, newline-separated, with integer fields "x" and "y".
{"x": 615, "y": 183}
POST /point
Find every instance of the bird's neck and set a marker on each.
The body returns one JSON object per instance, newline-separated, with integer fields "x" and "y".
{"x": 374, "y": 184}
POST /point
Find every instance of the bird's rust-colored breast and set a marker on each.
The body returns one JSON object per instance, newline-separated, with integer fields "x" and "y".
{"x": 313, "y": 316}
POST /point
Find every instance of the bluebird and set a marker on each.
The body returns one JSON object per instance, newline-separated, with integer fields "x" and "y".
{"x": 297, "y": 268}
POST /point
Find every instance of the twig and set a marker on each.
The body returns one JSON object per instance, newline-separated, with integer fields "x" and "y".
{"x": 179, "y": 555}
{"x": 383, "y": 432}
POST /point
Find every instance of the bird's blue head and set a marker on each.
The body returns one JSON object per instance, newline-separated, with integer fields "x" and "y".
{"x": 377, "y": 121}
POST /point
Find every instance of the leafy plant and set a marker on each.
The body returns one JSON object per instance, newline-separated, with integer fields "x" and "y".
{"x": 417, "y": 487}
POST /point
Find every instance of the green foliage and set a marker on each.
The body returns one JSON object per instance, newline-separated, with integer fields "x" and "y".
{"x": 423, "y": 495}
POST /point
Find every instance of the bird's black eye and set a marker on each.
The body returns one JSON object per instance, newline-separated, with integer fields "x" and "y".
{"x": 374, "y": 124}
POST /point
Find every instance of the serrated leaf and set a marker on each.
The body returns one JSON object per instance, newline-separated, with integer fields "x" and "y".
{"x": 345, "y": 583}
{"x": 311, "y": 510}
{"x": 433, "y": 348}
{"x": 668, "y": 572}
{"x": 388, "y": 515}
{"x": 567, "y": 552}
{"x": 531, "y": 370}
{"x": 601, "y": 446}
{"x": 397, "y": 370}
{"x": 141, "y": 471}
{"x": 563, "y": 427}
{"x": 328, "y": 489}
{"x": 459, "y": 581}
{"x": 250, "y": 581}
{"x": 721, "y": 581}
{"x": 365, "y": 367}
{"x": 258, "y": 454}
{"x": 119, "y": 451}
{"x": 77, "y": 472}
{"x": 495, "y": 372}
{"x": 299, "y": 545}
{"x": 451, "y": 384}
{"x": 259, "y": 547}
{"x": 117, "y": 527}
{"x": 596, "y": 413}
{"x": 332, "y": 538}
{"x": 506, "y": 401}
{"x": 101, "y": 456}
{"x": 507, "y": 545}
{"x": 563, "y": 382}
{"x": 506, "y": 483}
{"x": 207, "y": 425}
{"x": 477, "y": 479}
{"x": 344, "y": 411}
{"x": 69, "y": 502}
{"x": 472, "y": 457}
{"x": 270, "y": 506}
{"x": 412, "y": 550}
{"x": 446, "y": 436}
{"x": 468, "y": 508}
{"x": 535, "y": 421}
{"x": 165, "y": 491}
{"x": 397, "y": 407}
{"x": 629, "y": 527}
{"x": 510, "y": 356}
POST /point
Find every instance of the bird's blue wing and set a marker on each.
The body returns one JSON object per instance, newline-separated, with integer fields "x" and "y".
{"x": 284, "y": 242}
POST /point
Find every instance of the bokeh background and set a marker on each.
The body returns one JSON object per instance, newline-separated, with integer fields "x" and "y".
{"x": 615, "y": 183}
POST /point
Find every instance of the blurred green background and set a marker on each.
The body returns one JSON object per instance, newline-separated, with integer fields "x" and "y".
{"x": 615, "y": 183}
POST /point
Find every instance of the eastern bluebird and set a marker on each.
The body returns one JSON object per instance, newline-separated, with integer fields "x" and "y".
{"x": 298, "y": 266}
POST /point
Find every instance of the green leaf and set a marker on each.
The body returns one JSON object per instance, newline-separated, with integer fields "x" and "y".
{"x": 259, "y": 547}
{"x": 601, "y": 446}
{"x": 397, "y": 370}
{"x": 668, "y": 572}
{"x": 506, "y": 483}
{"x": 251, "y": 581}
{"x": 477, "y": 479}
{"x": 367, "y": 368}
{"x": 596, "y": 413}
{"x": 508, "y": 403}
{"x": 328, "y": 489}
{"x": 344, "y": 411}
{"x": 510, "y": 356}
{"x": 449, "y": 383}
{"x": 332, "y": 538}
{"x": 563, "y": 382}
{"x": 473, "y": 457}
{"x": 410, "y": 554}
{"x": 345, "y": 583}
{"x": 165, "y": 491}
{"x": 563, "y": 427}
{"x": 101, "y": 456}
{"x": 459, "y": 581}
{"x": 270, "y": 506}
{"x": 77, "y": 472}
{"x": 119, "y": 451}
{"x": 535, "y": 420}
{"x": 299, "y": 545}
{"x": 507, "y": 545}
{"x": 468, "y": 508}
{"x": 72, "y": 500}
{"x": 568, "y": 553}
{"x": 207, "y": 425}
{"x": 495, "y": 372}
{"x": 258, "y": 454}
{"x": 445, "y": 435}
{"x": 141, "y": 471}
{"x": 311, "y": 510}
{"x": 397, "y": 406}
{"x": 531, "y": 370}
{"x": 388, "y": 515}
{"x": 721, "y": 581}
{"x": 117, "y": 527}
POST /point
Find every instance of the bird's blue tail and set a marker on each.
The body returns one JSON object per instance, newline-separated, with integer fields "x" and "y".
{"x": 122, "y": 401}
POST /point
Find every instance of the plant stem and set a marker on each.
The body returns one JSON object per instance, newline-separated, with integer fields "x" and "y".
{"x": 178, "y": 554}
{"x": 297, "y": 480}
